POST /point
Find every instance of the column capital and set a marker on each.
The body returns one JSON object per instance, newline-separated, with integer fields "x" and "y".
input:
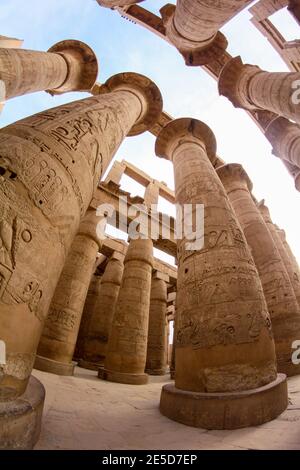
{"x": 195, "y": 53}
{"x": 230, "y": 78}
{"x": 140, "y": 250}
{"x": 88, "y": 226}
{"x": 146, "y": 90}
{"x": 183, "y": 130}
{"x": 82, "y": 66}
{"x": 233, "y": 175}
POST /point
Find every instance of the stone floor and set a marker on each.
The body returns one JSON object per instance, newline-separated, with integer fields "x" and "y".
{"x": 83, "y": 412}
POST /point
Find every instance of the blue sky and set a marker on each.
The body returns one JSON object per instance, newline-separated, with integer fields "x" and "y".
{"x": 123, "y": 46}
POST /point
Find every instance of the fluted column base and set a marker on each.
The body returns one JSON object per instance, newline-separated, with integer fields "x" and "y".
{"x": 123, "y": 378}
{"x": 225, "y": 410}
{"x": 20, "y": 420}
{"x": 54, "y": 367}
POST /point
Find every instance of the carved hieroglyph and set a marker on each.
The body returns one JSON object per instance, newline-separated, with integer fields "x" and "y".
{"x": 289, "y": 265}
{"x": 97, "y": 334}
{"x": 50, "y": 165}
{"x": 249, "y": 87}
{"x": 279, "y": 294}
{"x": 127, "y": 345}
{"x": 224, "y": 341}
{"x": 88, "y": 310}
{"x": 62, "y": 324}
{"x": 68, "y": 66}
{"x": 157, "y": 354}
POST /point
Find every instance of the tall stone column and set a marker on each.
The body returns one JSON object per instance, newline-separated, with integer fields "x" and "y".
{"x": 57, "y": 345}
{"x": 289, "y": 251}
{"x": 127, "y": 345}
{"x": 279, "y": 294}
{"x": 292, "y": 273}
{"x": 67, "y": 66}
{"x": 194, "y": 27}
{"x": 249, "y": 87}
{"x": 98, "y": 331}
{"x": 52, "y": 163}
{"x": 284, "y": 137}
{"x": 226, "y": 373}
{"x": 89, "y": 308}
{"x": 157, "y": 352}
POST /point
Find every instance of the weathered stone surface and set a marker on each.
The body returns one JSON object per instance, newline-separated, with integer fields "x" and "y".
{"x": 224, "y": 337}
{"x": 206, "y": 410}
{"x": 62, "y": 324}
{"x": 284, "y": 136}
{"x": 193, "y": 27}
{"x": 68, "y": 66}
{"x": 90, "y": 307}
{"x": 157, "y": 348}
{"x": 249, "y": 87}
{"x": 20, "y": 419}
{"x": 289, "y": 265}
{"x": 127, "y": 345}
{"x": 117, "y": 3}
{"x": 279, "y": 294}
{"x": 97, "y": 334}
{"x": 53, "y": 162}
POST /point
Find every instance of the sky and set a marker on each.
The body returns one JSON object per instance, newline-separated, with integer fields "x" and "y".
{"x": 187, "y": 91}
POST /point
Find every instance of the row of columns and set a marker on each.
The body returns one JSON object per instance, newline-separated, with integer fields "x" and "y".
{"x": 50, "y": 165}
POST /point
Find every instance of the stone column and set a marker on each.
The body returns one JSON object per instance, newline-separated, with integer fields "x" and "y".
{"x": 57, "y": 345}
{"x": 225, "y": 354}
{"x": 67, "y": 66}
{"x": 193, "y": 27}
{"x": 279, "y": 294}
{"x": 157, "y": 352}
{"x": 249, "y": 87}
{"x": 53, "y": 162}
{"x": 96, "y": 340}
{"x": 151, "y": 194}
{"x": 295, "y": 281}
{"x": 284, "y": 137}
{"x": 127, "y": 345}
{"x": 289, "y": 251}
{"x": 88, "y": 311}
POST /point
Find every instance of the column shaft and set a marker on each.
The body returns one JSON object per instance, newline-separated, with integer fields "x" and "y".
{"x": 53, "y": 162}
{"x": 295, "y": 281}
{"x": 157, "y": 352}
{"x": 224, "y": 337}
{"x": 127, "y": 345}
{"x": 56, "y": 348}
{"x": 70, "y": 66}
{"x": 89, "y": 308}
{"x": 98, "y": 331}
{"x": 249, "y": 87}
{"x": 279, "y": 294}
{"x": 200, "y": 20}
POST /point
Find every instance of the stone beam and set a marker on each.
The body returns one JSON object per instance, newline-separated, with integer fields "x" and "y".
{"x": 111, "y": 245}
{"x": 10, "y": 43}
{"x": 110, "y": 194}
